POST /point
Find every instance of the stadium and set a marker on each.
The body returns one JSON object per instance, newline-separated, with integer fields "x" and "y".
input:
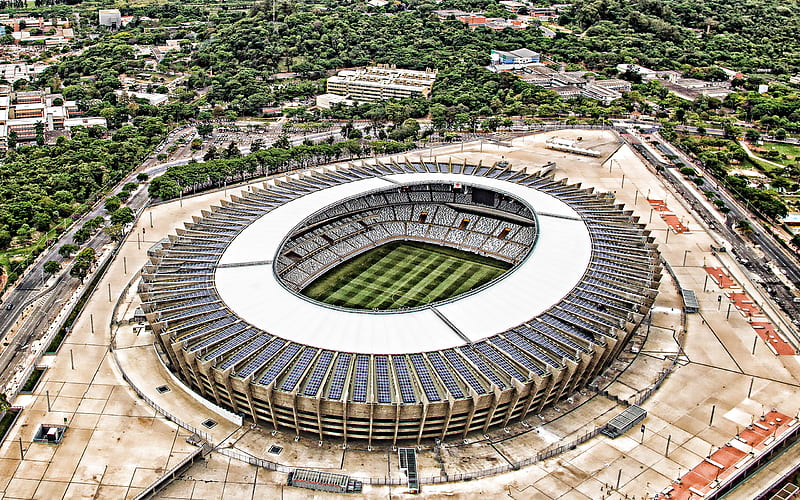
{"x": 399, "y": 301}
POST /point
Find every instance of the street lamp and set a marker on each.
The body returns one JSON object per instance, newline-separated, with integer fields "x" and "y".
{"x": 684, "y": 256}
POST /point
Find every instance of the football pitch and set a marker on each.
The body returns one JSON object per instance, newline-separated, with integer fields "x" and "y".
{"x": 403, "y": 274}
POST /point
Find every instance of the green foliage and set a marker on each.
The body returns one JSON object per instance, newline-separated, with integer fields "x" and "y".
{"x": 752, "y": 135}
{"x": 122, "y": 216}
{"x": 81, "y": 235}
{"x": 66, "y": 250}
{"x": 51, "y": 266}
{"x": 112, "y": 203}
{"x": 83, "y": 263}
{"x": 216, "y": 172}
{"x": 205, "y": 129}
{"x": 30, "y": 384}
{"x": 760, "y": 200}
{"x": 40, "y": 184}
{"x": 115, "y": 231}
{"x": 656, "y": 33}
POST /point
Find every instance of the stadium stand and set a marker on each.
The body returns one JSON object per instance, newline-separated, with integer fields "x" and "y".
{"x": 397, "y": 397}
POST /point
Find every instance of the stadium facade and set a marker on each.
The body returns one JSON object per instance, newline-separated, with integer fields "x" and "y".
{"x": 223, "y": 296}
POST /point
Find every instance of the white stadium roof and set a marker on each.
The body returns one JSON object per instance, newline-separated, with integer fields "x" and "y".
{"x": 554, "y": 267}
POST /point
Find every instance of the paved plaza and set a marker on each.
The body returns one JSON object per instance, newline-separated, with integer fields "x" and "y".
{"x": 724, "y": 377}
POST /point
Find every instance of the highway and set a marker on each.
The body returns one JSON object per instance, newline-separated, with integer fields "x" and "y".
{"x": 746, "y": 252}
{"x": 43, "y": 295}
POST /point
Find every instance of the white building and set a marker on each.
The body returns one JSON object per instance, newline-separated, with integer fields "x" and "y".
{"x": 645, "y": 73}
{"x": 18, "y": 71}
{"x": 110, "y": 17}
{"x": 327, "y": 101}
{"x": 152, "y": 98}
{"x": 520, "y": 56}
{"x": 381, "y": 82}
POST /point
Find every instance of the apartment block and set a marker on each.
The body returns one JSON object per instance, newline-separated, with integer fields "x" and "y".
{"x": 381, "y": 82}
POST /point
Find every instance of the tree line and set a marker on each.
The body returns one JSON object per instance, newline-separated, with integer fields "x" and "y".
{"x": 215, "y": 173}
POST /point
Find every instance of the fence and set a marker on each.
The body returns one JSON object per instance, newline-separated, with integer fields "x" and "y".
{"x": 160, "y": 483}
{"x": 169, "y": 416}
{"x": 258, "y": 462}
{"x": 60, "y": 323}
{"x": 548, "y": 452}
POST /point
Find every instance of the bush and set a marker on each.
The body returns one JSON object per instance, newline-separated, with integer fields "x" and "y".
{"x": 5, "y": 239}
{"x": 51, "y": 266}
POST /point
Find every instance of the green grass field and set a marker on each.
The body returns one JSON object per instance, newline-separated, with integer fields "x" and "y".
{"x": 403, "y": 274}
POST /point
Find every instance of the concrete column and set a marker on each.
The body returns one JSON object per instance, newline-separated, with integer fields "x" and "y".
{"x": 495, "y": 401}
{"x": 422, "y": 421}
{"x": 448, "y": 416}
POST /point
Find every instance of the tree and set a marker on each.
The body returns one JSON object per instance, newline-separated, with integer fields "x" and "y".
{"x": 83, "y": 263}
{"x": 122, "y": 215}
{"x": 40, "y": 133}
{"x": 282, "y": 141}
{"x": 142, "y": 177}
{"x": 780, "y": 134}
{"x": 744, "y": 226}
{"x": 205, "y": 129}
{"x": 5, "y": 239}
{"x": 112, "y": 203}
{"x": 114, "y": 231}
{"x": 66, "y": 250}
{"x": 12, "y": 139}
{"x": 81, "y": 235}
{"x": 752, "y": 135}
{"x": 51, "y": 267}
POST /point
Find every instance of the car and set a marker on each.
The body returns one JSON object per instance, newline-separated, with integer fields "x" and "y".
{"x": 10, "y": 307}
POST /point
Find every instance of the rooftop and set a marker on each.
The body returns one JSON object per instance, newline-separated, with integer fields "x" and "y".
{"x": 550, "y": 272}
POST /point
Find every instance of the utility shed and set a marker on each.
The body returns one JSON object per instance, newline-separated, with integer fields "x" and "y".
{"x": 690, "y": 304}
{"x": 623, "y": 422}
{"x": 324, "y": 481}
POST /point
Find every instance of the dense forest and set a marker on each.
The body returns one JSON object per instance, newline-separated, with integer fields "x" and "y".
{"x": 748, "y": 35}
{"x": 229, "y": 58}
{"x": 40, "y": 185}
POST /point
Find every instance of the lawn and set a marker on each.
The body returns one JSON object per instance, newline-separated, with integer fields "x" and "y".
{"x": 403, "y": 274}
{"x": 790, "y": 153}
